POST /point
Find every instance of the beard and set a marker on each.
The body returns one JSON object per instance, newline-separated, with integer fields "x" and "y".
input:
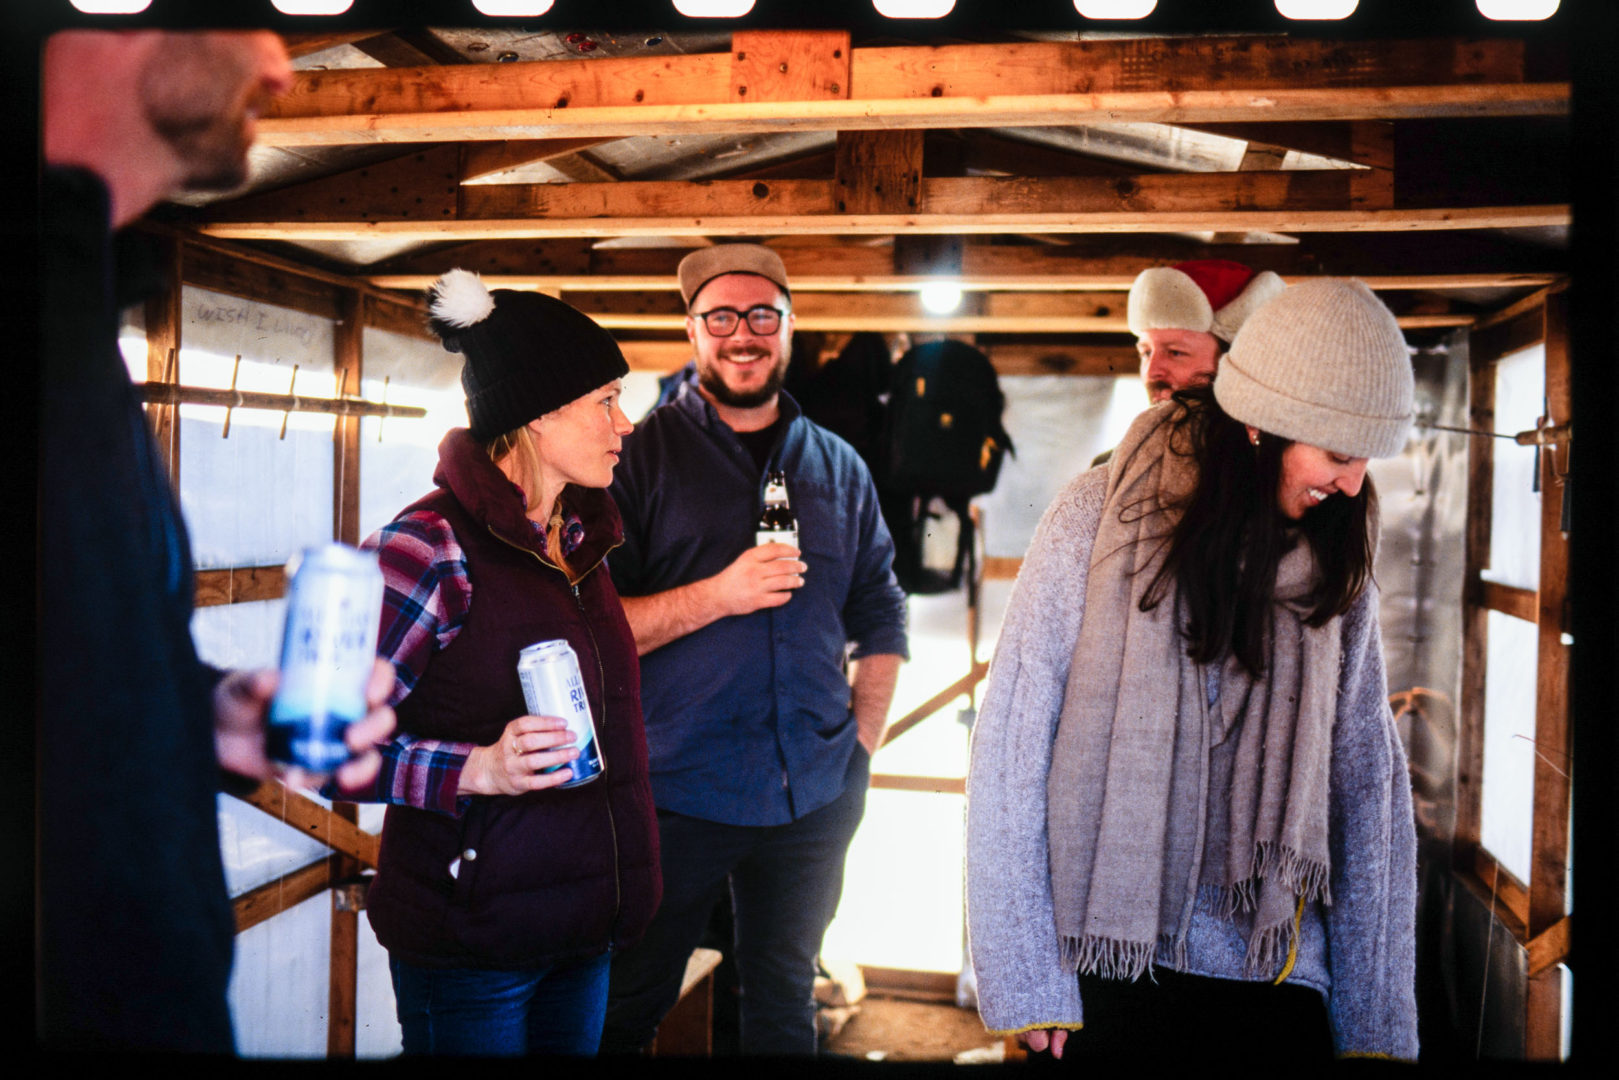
{"x": 197, "y": 93}
{"x": 709, "y": 378}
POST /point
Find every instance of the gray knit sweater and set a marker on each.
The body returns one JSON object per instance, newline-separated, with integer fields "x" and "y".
{"x": 1359, "y": 951}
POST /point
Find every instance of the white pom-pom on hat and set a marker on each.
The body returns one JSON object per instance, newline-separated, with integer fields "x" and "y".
{"x": 460, "y": 299}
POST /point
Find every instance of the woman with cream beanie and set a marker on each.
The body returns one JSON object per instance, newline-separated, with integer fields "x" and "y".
{"x": 1189, "y": 826}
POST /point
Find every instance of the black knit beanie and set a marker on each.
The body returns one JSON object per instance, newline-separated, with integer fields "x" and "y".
{"x": 526, "y": 353}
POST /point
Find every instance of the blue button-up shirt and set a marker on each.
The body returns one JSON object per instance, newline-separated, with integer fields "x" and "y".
{"x": 748, "y": 719}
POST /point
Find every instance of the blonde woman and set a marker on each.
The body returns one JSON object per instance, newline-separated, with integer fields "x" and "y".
{"x": 499, "y": 894}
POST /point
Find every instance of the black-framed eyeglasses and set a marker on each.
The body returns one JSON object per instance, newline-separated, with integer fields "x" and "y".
{"x": 763, "y": 320}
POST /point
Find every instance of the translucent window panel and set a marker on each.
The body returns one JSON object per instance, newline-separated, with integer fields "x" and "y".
{"x": 280, "y": 983}
{"x": 1520, "y": 387}
{"x": 257, "y": 848}
{"x": 132, "y": 341}
{"x": 1509, "y": 750}
{"x": 254, "y": 498}
{"x": 640, "y": 394}
{"x": 280, "y": 987}
{"x": 240, "y": 635}
{"x": 376, "y": 1021}
{"x": 1058, "y": 423}
{"x": 902, "y": 901}
{"x": 397, "y": 469}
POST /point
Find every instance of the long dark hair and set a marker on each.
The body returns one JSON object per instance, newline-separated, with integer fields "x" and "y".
{"x": 1224, "y": 551}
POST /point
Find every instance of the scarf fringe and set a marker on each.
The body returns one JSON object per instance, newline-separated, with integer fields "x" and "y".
{"x": 1302, "y": 877}
{"x": 1268, "y": 949}
{"x": 1109, "y": 958}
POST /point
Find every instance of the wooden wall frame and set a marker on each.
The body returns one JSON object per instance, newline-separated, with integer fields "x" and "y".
{"x": 352, "y": 305}
{"x": 1533, "y": 912}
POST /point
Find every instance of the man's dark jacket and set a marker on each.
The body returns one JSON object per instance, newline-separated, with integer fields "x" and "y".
{"x": 134, "y": 925}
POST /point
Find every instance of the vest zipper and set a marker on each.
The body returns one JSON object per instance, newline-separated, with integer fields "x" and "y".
{"x": 601, "y": 677}
{"x": 612, "y": 823}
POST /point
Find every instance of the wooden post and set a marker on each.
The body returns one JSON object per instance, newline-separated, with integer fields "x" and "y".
{"x": 343, "y": 980}
{"x": 1549, "y": 843}
{"x": 1475, "y": 616}
{"x": 348, "y": 365}
{"x": 1549, "y": 840}
{"x": 163, "y": 356}
{"x": 879, "y": 172}
{"x": 1371, "y": 143}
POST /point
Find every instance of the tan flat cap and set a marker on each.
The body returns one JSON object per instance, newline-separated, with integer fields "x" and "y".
{"x": 706, "y": 264}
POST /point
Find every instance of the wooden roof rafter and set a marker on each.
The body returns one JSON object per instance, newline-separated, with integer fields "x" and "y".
{"x": 1161, "y": 80}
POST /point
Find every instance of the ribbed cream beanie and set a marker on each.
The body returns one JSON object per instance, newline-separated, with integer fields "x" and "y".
{"x": 1324, "y": 363}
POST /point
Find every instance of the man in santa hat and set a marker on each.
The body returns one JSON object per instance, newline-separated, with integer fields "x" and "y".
{"x": 1184, "y": 317}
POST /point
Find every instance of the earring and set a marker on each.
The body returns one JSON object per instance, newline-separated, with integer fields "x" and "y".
{"x": 1254, "y": 438}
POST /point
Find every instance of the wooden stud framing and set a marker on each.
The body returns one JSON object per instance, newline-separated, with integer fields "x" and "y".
{"x": 349, "y": 367}
{"x": 343, "y": 971}
{"x": 1549, "y": 848}
{"x": 315, "y": 821}
{"x": 240, "y": 585}
{"x": 1534, "y": 911}
{"x": 878, "y": 172}
{"x": 163, "y": 357}
{"x": 286, "y": 892}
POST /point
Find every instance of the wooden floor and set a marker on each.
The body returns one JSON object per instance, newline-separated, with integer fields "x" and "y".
{"x": 913, "y": 1031}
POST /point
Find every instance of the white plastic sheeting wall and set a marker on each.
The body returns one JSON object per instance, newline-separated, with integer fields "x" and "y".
{"x": 1058, "y": 424}
{"x": 902, "y": 894}
{"x": 397, "y": 456}
{"x": 254, "y": 499}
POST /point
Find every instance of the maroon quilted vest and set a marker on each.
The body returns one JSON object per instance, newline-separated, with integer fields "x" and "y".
{"x": 551, "y": 875}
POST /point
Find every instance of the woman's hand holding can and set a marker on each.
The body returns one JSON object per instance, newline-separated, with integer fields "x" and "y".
{"x": 513, "y": 764}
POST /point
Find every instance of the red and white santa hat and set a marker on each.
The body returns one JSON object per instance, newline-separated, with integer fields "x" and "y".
{"x": 1211, "y": 296}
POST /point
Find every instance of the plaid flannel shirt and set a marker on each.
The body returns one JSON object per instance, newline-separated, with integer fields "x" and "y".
{"x": 426, "y": 596}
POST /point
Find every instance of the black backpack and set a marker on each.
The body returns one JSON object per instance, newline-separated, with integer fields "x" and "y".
{"x": 846, "y": 394}
{"x": 942, "y": 443}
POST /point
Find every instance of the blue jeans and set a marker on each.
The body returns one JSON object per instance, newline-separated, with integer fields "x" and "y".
{"x": 785, "y": 881}
{"x": 489, "y": 1013}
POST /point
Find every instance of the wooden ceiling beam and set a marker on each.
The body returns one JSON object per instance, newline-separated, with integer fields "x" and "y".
{"x": 807, "y": 284}
{"x": 1163, "y": 80}
{"x": 1047, "y": 110}
{"x": 1455, "y": 260}
{"x": 1284, "y": 202}
{"x": 983, "y": 313}
{"x": 1094, "y": 308}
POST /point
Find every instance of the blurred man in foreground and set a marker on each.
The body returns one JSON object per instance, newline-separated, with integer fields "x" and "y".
{"x": 134, "y": 927}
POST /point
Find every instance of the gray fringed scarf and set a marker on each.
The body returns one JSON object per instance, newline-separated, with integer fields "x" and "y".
{"x": 1156, "y": 799}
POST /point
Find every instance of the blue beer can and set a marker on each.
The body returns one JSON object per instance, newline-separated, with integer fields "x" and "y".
{"x": 328, "y": 648}
{"x": 552, "y": 686}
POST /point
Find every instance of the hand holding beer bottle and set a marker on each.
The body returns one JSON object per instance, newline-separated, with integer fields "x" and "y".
{"x": 766, "y": 575}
